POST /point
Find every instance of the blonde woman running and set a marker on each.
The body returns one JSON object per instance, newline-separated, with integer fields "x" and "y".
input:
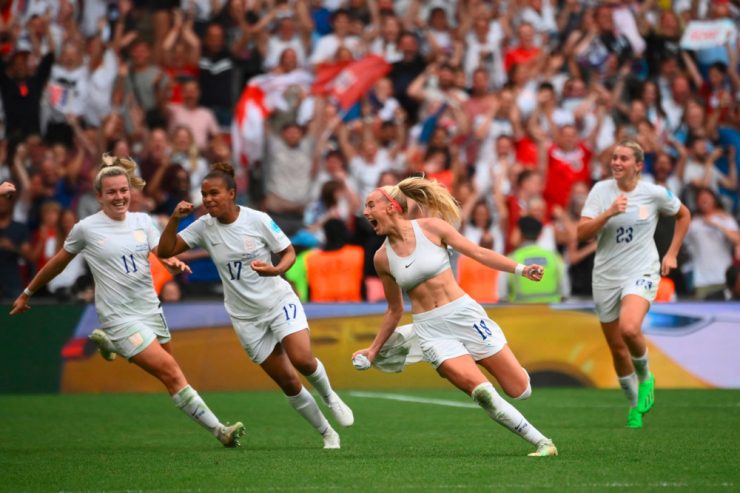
{"x": 116, "y": 244}
{"x": 622, "y": 213}
{"x": 455, "y": 333}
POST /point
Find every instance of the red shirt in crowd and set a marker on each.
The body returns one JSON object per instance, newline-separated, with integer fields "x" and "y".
{"x": 564, "y": 168}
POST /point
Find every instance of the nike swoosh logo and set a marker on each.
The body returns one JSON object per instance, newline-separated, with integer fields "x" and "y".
{"x": 409, "y": 264}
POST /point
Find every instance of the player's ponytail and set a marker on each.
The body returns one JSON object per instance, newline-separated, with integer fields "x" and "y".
{"x": 431, "y": 196}
{"x": 117, "y": 166}
{"x": 224, "y": 171}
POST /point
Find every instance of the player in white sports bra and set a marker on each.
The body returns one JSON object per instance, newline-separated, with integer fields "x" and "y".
{"x": 623, "y": 213}
{"x": 454, "y": 331}
{"x": 116, "y": 244}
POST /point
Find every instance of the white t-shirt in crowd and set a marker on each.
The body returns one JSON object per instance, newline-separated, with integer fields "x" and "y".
{"x": 710, "y": 249}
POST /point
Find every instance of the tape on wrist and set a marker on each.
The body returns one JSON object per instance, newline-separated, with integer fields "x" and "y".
{"x": 27, "y": 292}
{"x": 519, "y": 270}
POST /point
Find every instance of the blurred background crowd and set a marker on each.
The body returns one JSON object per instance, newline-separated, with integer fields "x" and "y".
{"x": 514, "y": 105}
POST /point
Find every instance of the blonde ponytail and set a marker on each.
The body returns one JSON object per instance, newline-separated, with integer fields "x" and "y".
{"x": 117, "y": 166}
{"x": 430, "y": 195}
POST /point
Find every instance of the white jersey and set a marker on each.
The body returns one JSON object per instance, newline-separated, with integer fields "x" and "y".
{"x": 118, "y": 255}
{"x": 626, "y": 247}
{"x": 233, "y": 247}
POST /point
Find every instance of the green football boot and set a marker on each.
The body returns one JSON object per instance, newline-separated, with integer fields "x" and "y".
{"x": 646, "y": 394}
{"x": 634, "y": 418}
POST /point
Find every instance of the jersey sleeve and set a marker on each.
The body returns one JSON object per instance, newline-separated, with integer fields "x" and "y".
{"x": 75, "y": 241}
{"x": 152, "y": 232}
{"x": 273, "y": 235}
{"x": 668, "y": 203}
{"x": 592, "y": 207}
{"x": 193, "y": 234}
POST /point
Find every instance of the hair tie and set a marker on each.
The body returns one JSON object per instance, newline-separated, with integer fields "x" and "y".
{"x": 393, "y": 201}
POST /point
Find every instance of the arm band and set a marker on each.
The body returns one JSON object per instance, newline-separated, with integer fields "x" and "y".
{"x": 519, "y": 270}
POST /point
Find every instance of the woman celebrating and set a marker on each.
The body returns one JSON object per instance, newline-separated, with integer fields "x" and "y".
{"x": 453, "y": 330}
{"x": 116, "y": 244}
{"x": 267, "y": 316}
{"x": 623, "y": 212}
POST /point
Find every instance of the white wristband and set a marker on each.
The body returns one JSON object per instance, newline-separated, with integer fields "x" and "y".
{"x": 519, "y": 269}
{"x": 27, "y": 292}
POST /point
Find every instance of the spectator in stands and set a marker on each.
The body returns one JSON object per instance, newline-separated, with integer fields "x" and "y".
{"x": 68, "y": 92}
{"x": 731, "y": 292}
{"x": 288, "y": 175}
{"x": 713, "y": 239}
{"x": 185, "y": 152}
{"x": 180, "y": 54}
{"x": 405, "y": 71}
{"x": 21, "y": 87}
{"x": 216, "y": 74}
{"x": 327, "y": 46}
{"x": 14, "y": 244}
{"x": 528, "y": 186}
{"x": 480, "y": 226}
{"x": 290, "y": 32}
{"x": 199, "y": 119}
{"x": 525, "y": 51}
{"x": 553, "y": 287}
{"x": 140, "y": 81}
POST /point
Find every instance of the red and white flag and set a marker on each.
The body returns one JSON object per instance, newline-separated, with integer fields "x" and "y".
{"x": 260, "y": 97}
{"x": 348, "y": 82}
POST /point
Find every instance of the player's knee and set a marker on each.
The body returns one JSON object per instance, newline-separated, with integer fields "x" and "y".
{"x": 290, "y": 385}
{"x": 172, "y": 377}
{"x": 526, "y": 394}
{"x": 306, "y": 365}
{"x": 522, "y": 391}
{"x": 630, "y": 329}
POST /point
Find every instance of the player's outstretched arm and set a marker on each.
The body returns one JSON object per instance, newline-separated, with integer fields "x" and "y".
{"x": 52, "y": 269}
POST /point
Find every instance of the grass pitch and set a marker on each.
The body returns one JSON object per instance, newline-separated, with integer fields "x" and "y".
{"x": 427, "y": 441}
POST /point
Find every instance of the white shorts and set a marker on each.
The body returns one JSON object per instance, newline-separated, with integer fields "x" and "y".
{"x": 609, "y": 300}
{"x": 131, "y": 338}
{"x": 260, "y": 335}
{"x": 456, "y": 329}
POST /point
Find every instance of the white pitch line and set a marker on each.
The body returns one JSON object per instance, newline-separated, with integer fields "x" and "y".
{"x": 411, "y": 398}
{"x": 438, "y": 487}
{"x": 469, "y": 405}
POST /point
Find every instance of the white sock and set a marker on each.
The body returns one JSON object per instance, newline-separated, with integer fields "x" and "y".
{"x": 629, "y": 386}
{"x": 306, "y": 406}
{"x": 641, "y": 366}
{"x": 504, "y": 413}
{"x": 188, "y": 400}
{"x": 320, "y": 381}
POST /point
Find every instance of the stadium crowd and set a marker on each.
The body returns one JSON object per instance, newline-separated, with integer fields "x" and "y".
{"x": 514, "y": 105}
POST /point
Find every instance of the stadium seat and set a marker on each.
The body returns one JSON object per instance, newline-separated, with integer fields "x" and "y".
{"x": 479, "y": 281}
{"x": 335, "y": 275}
{"x": 666, "y": 290}
{"x": 160, "y": 274}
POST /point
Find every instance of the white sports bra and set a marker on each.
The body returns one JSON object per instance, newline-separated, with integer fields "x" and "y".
{"x": 426, "y": 261}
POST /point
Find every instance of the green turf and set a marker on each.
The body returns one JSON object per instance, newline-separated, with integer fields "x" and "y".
{"x": 126, "y": 443}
